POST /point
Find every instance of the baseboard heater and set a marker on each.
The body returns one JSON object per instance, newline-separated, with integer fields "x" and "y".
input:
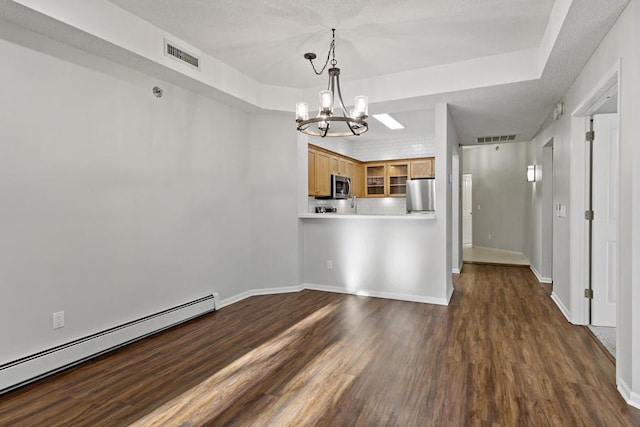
{"x": 39, "y": 365}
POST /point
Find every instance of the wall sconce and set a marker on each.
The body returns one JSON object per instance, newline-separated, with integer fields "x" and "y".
{"x": 558, "y": 110}
{"x": 531, "y": 173}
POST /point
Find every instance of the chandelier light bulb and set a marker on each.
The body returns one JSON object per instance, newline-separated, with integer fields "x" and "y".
{"x": 361, "y": 107}
{"x": 302, "y": 111}
{"x": 326, "y": 102}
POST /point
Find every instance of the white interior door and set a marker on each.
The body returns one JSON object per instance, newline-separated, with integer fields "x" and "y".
{"x": 467, "y": 204}
{"x": 605, "y": 206}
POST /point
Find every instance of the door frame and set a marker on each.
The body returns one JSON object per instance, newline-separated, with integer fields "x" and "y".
{"x": 548, "y": 211}
{"x": 462, "y": 211}
{"x": 597, "y": 261}
{"x": 581, "y": 123}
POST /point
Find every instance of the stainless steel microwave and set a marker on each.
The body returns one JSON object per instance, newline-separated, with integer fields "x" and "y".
{"x": 340, "y": 187}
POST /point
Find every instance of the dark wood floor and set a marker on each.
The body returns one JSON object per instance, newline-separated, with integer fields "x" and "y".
{"x": 500, "y": 354}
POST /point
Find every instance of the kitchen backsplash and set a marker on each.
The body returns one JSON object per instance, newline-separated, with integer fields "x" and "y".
{"x": 368, "y": 206}
{"x": 401, "y": 148}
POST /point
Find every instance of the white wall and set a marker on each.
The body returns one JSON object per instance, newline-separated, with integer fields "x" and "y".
{"x": 619, "y": 48}
{"x": 499, "y": 187}
{"x": 115, "y": 204}
{"x": 632, "y": 288}
{"x": 540, "y": 212}
{"x": 454, "y": 218}
{"x": 273, "y": 212}
{"x": 396, "y": 258}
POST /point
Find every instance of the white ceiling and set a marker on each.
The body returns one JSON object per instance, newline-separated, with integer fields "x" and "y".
{"x": 266, "y": 39}
{"x": 501, "y": 65}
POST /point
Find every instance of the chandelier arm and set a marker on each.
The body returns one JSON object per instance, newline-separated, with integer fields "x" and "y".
{"x": 341, "y": 102}
{"x": 351, "y": 128}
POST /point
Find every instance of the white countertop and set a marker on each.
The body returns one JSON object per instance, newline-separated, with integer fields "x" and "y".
{"x": 421, "y": 216}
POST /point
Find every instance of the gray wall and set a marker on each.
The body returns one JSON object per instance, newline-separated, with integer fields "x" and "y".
{"x": 117, "y": 204}
{"x": 273, "y": 204}
{"x": 499, "y": 192}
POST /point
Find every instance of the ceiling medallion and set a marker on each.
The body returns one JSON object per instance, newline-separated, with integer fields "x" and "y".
{"x": 328, "y": 122}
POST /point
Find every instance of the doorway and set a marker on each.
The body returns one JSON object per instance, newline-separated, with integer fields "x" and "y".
{"x": 602, "y": 172}
{"x": 548, "y": 212}
{"x": 467, "y": 210}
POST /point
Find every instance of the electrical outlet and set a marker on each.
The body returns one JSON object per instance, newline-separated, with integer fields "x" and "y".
{"x": 329, "y": 264}
{"x": 58, "y": 320}
{"x": 489, "y": 236}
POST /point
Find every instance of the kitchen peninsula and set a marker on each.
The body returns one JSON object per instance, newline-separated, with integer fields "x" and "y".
{"x": 370, "y": 245}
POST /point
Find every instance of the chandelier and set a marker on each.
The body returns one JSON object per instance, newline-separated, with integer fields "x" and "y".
{"x": 328, "y": 122}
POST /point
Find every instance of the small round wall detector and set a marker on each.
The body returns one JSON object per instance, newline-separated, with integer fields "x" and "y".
{"x": 157, "y": 92}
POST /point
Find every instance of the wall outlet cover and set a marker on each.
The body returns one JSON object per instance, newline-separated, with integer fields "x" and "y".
{"x": 58, "y": 320}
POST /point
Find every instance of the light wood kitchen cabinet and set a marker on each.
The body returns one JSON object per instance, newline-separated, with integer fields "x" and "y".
{"x": 423, "y": 168}
{"x": 323, "y": 164}
{"x": 397, "y": 175}
{"x": 311, "y": 181}
{"x": 338, "y": 166}
{"x": 375, "y": 177}
{"x": 355, "y": 173}
{"x": 319, "y": 176}
{"x": 342, "y": 167}
{"x": 333, "y": 165}
{"x": 368, "y": 179}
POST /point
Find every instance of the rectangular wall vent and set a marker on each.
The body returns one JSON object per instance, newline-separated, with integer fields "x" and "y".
{"x": 501, "y": 138}
{"x": 170, "y": 49}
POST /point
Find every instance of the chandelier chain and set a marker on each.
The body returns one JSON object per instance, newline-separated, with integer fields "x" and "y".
{"x": 331, "y": 54}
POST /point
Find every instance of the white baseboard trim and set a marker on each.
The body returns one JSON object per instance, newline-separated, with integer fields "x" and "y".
{"x": 633, "y": 399}
{"x": 538, "y": 276}
{"x": 624, "y": 390}
{"x": 458, "y": 269}
{"x": 450, "y": 295}
{"x": 561, "y": 306}
{"x": 256, "y": 292}
{"x": 39, "y": 365}
{"x": 377, "y": 294}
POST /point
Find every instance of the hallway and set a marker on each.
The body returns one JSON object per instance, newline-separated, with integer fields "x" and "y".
{"x": 482, "y": 255}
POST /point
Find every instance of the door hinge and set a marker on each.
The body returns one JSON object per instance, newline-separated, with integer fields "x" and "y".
{"x": 588, "y": 293}
{"x": 590, "y": 136}
{"x": 589, "y": 215}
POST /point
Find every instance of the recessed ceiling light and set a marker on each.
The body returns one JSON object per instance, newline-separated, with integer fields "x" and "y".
{"x": 388, "y": 121}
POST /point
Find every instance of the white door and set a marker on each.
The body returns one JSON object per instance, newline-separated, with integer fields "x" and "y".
{"x": 605, "y": 208}
{"x": 467, "y": 204}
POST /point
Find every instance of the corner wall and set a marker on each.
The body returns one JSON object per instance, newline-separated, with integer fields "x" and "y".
{"x": 273, "y": 184}
{"x": 115, "y": 204}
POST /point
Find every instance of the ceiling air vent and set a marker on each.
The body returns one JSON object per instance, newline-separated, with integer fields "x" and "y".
{"x": 501, "y": 138}
{"x": 170, "y": 49}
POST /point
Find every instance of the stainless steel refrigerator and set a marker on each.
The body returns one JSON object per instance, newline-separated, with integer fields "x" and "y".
{"x": 421, "y": 195}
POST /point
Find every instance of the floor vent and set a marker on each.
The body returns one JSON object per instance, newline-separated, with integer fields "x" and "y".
{"x": 170, "y": 49}
{"x": 39, "y": 365}
{"x": 501, "y": 138}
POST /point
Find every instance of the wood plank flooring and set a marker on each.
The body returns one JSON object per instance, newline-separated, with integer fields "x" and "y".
{"x": 500, "y": 354}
